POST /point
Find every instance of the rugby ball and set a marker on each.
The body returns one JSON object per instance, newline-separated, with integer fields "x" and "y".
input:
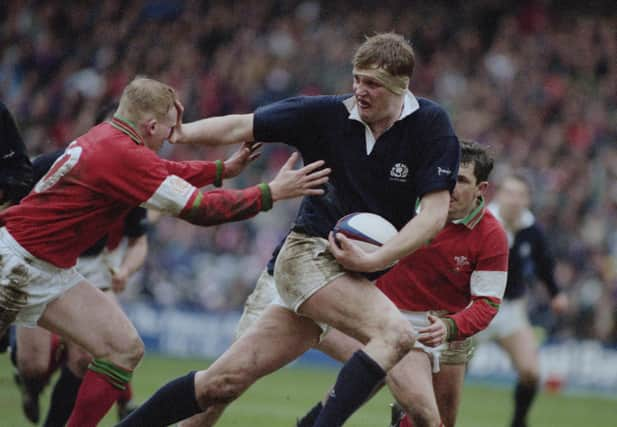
{"x": 367, "y": 230}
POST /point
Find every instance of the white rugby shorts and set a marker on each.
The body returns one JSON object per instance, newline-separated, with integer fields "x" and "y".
{"x": 303, "y": 266}
{"x": 96, "y": 270}
{"x": 264, "y": 295}
{"x": 27, "y": 283}
{"x": 511, "y": 318}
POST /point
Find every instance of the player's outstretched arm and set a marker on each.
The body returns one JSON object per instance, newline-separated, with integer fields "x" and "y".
{"x": 231, "y": 129}
{"x": 416, "y": 233}
{"x": 236, "y": 163}
{"x": 220, "y": 206}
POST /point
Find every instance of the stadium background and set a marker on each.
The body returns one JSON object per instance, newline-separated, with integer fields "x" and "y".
{"x": 535, "y": 80}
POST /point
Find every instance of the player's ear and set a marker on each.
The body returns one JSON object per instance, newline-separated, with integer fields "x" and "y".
{"x": 483, "y": 187}
{"x": 150, "y": 125}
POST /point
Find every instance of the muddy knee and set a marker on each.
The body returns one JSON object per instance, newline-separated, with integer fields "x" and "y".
{"x": 425, "y": 417}
{"x": 221, "y": 389}
{"x": 401, "y": 337}
{"x": 126, "y": 352}
{"x": 78, "y": 361}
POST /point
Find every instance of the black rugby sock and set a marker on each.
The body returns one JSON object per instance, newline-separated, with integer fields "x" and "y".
{"x": 524, "y": 395}
{"x": 173, "y": 402}
{"x": 309, "y": 419}
{"x": 356, "y": 382}
{"x": 62, "y": 399}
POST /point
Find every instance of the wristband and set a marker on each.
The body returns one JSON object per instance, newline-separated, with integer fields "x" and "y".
{"x": 266, "y": 196}
{"x": 218, "y": 180}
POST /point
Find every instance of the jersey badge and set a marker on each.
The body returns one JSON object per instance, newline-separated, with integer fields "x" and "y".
{"x": 399, "y": 172}
{"x": 461, "y": 262}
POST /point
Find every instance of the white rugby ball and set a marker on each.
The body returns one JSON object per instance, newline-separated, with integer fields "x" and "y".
{"x": 367, "y": 230}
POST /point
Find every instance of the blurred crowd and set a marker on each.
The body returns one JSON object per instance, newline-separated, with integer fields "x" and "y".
{"x": 535, "y": 80}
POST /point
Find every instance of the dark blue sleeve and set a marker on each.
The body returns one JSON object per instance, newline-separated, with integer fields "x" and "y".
{"x": 43, "y": 163}
{"x": 275, "y": 254}
{"x": 438, "y": 167}
{"x": 294, "y": 121}
{"x": 136, "y": 223}
{"x": 12, "y": 147}
{"x": 15, "y": 168}
{"x": 544, "y": 261}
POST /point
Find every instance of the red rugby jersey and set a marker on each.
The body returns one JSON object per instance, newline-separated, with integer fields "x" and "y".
{"x": 463, "y": 271}
{"x": 100, "y": 178}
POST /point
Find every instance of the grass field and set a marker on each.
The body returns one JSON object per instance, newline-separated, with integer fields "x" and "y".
{"x": 275, "y": 401}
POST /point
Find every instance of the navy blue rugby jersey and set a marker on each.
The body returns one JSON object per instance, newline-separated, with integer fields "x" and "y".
{"x": 530, "y": 257}
{"x": 419, "y": 154}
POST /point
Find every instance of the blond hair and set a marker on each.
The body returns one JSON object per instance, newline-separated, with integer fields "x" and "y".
{"x": 145, "y": 98}
{"x": 388, "y": 51}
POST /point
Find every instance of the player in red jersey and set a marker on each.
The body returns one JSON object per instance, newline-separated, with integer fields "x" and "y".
{"x": 449, "y": 290}
{"x": 103, "y": 175}
{"x": 36, "y": 352}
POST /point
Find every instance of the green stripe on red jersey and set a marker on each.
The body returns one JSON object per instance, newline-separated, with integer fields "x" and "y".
{"x": 127, "y": 127}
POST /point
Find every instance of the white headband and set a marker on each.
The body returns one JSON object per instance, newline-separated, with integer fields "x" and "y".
{"x": 395, "y": 84}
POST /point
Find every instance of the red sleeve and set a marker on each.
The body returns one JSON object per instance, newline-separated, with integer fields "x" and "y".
{"x": 219, "y": 206}
{"x": 197, "y": 172}
{"x": 473, "y": 319}
{"x": 487, "y": 285}
{"x": 140, "y": 177}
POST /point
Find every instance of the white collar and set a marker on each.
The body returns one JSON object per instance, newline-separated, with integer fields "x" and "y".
{"x": 527, "y": 220}
{"x": 410, "y": 106}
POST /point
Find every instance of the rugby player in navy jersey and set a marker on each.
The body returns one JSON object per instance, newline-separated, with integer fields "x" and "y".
{"x": 450, "y": 290}
{"x": 386, "y": 149}
{"x": 530, "y": 257}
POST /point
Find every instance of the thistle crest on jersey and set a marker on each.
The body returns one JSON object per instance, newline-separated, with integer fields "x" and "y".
{"x": 399, "y": 172}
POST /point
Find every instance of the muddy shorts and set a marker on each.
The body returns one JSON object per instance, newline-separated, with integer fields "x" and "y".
{"x": 264, "y": 294}
{"x": 28, "y": 284}
{"x": 303, "y": 266}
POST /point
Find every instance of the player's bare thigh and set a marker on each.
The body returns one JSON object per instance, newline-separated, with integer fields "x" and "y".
{"x": 338, "y": 346}
{"x": 78, "y": 358}
{"x": 448, "y": 386}
{"x": 411, "y": 383}
{"x": 84, "y": 315}
{"x": 33, "y": 351}
{"x": 310, "y": 280}
{"x": 357, "y": 308}
{"x": 278, "y": 337}
{"x": 523, "y": 350}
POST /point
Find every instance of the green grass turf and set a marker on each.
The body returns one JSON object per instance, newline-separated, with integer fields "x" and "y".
{"x": 278, "y": 399}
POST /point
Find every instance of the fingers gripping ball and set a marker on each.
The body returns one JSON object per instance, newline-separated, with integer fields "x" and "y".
{"x": 367, "y": 230}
